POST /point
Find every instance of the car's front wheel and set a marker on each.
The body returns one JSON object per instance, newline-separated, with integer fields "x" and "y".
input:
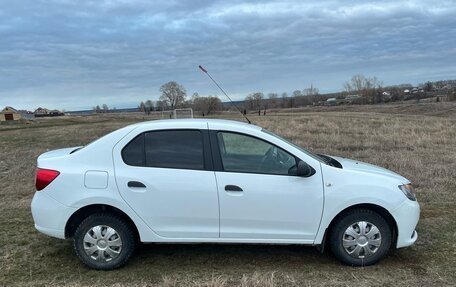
{"x": 361, "y": 237}
{"x": 104, "y": 241}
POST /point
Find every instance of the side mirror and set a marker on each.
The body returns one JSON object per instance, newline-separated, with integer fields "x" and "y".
{"x": 304, "y": 170}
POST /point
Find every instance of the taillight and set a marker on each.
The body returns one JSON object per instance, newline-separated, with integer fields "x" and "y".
{"x": 44, "y": 177}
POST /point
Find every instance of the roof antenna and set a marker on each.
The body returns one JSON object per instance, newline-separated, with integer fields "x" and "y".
{"x": 231, "y": 101}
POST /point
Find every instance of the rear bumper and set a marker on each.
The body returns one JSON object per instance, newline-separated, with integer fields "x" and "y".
{"x": 49, "y": 215}
{"x": 406, "y": 216}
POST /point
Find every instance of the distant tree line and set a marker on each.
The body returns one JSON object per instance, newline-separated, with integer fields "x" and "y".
{"x": 103, "y": 109}
{"x": 359, "y": 89}
{"x": 367, "y": 88}
{"x": 174, "y": 95}
{"x": 258, "y": 101}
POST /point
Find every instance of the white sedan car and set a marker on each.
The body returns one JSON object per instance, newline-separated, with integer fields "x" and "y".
{"x": 217, "y": 181}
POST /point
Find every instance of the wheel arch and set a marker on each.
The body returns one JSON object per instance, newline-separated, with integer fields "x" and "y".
{"x": 78, "y": 216}
{"x": 370, "y": 206}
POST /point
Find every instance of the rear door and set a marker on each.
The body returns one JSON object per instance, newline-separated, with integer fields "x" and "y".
{"x": 166, "y": 177}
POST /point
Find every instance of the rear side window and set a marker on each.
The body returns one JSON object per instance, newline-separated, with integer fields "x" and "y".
{"x": 181, "y": 149}
{"x": 133, "y": 152}
{"x": 175, "y": 149}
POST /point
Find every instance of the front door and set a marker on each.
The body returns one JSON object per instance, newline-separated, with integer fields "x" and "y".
{"x": 260, "y": 195}
{"x": 163, "y": 176}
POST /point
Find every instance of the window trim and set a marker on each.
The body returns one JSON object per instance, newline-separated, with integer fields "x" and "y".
{"x": 218, "y": 162}
{"x": 207, "y": 156}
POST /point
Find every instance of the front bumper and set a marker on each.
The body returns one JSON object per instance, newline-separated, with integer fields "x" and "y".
{"x": 406, "y": 216}
{"x": 49, "y": 215}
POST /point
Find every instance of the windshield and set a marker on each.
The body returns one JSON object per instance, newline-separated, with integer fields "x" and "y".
{"x": 314, "y": 156}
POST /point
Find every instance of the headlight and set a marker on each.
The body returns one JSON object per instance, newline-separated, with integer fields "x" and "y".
{"x": 408, "y": 190}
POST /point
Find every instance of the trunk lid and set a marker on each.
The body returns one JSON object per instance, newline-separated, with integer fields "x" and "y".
{"x": 56, "y": 153}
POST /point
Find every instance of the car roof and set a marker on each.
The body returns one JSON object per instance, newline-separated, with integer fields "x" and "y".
{"x": 198, "y": 123}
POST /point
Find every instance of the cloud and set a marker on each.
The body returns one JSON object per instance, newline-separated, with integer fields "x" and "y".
{"x": 77, "y": 54}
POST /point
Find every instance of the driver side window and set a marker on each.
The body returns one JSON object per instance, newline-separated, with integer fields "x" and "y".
{"x": 242, "y": 153}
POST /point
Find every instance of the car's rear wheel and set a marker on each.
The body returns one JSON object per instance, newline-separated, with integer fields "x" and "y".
{"x": 360, "y": 237}
{"x": 104, "y": 241}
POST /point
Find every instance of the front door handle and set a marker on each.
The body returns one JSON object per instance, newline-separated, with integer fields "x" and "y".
{"x": 233, "y": 188}
{"x": 136, "y": 184}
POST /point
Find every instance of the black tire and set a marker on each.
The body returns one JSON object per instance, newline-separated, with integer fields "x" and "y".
{"x": 350, "y": 218}
{"x": 123, "y": 230}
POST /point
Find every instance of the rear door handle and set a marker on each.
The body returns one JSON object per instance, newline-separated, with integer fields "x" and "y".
{"x": 233, "y": 188}
{"x": 136, "y": 184}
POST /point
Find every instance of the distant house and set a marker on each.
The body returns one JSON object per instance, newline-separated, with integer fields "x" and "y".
{"x": 352, "y": 97}
{"x": 331, "y": 101}
{"x": 386, "y": 96}
{"x": 55, "y": 113}
{"x": 9, "y": 114}
{"x": 26, "y": 115}
{"x": 41, "y": 112}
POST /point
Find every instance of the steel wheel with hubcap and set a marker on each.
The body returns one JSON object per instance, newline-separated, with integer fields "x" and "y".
{"x": 361, "y": 237}
{"x": 104, "y": 241}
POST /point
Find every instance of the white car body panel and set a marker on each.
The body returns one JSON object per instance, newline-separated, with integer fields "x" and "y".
{"x": 50, "y": 216}
{"x": 270, "y": 207}
{"x": 342, "y": 191}
{"x": 363, "y": 167}
{"x": 170, "y": 206}
{"x": 187, "y": 205}
{"x": 181, "y": 204}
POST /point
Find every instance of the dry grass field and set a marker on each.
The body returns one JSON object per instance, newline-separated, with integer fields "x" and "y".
{"x": 417, "y": 141}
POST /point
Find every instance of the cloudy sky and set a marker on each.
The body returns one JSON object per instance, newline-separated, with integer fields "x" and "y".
{"x": 76, "y": 54}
